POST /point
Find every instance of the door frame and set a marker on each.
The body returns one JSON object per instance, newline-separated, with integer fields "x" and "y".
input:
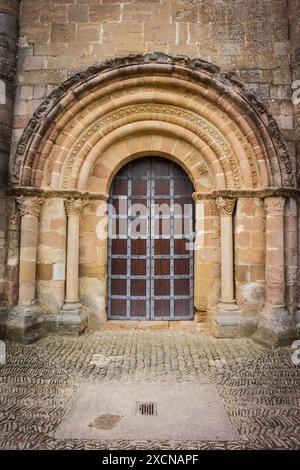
{"x": 150, "y": 248}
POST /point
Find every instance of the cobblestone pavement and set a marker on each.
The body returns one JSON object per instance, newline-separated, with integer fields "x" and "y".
{"x": 259, "y": 387}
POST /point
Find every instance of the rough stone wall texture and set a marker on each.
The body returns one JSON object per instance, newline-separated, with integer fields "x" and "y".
{"x": 294, "y": 36}
{"x": 250, "y": 254}
{"x": 257, "y": 39}
{"x": 51, "y": 255}
{"x": 8, "y": 53}
{"x": 251, "y": 37}
{"x": 93, "y": 261}
{"x": 207, "y": 274}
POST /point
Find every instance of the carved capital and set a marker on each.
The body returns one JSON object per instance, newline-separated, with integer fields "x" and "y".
{"x": 274, "y": 206}
{"x": 197, "y": 196}
{"x": 225, "y": 205}
{"x": 74, "y": 206}
{"x": 29, "y": 205}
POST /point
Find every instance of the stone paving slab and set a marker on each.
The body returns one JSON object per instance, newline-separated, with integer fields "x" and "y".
{"x": 183, "y": 412}
{"x": 259, "y": 388}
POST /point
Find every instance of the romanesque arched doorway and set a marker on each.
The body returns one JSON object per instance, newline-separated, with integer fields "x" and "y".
{"x": 150, "y": 242}
{"x": 225, "y": 140}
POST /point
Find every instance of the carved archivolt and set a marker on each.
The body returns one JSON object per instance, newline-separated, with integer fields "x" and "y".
{"x": 196, "y": 124}
{"x": 235, "y": 127}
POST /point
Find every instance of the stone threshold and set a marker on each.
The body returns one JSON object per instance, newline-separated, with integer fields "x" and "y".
{"x": 190, "y": 325}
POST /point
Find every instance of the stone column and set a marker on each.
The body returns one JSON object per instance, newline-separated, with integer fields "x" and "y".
{"x": 298, "y": 305}
{"x": 12, "y": 256}
{"x": 73, "y": 319}
{"x": 25, "y": 321}
{"x": 291, "y": 255}
{"x": 276, "y": 327}
{"x": 199, "y": 302}
{"x": 228, "y": 313}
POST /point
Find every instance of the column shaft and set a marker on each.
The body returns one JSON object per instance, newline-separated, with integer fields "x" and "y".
{"x": 25, "y": 321}
{"x": 72, "y": 259}
{"x": 29, "y": 211}
{"x": 275, "y": 276}
{"x": 227, "y": 288}
{"x": 73, "y": 319}
{"x": 228, "y": 313}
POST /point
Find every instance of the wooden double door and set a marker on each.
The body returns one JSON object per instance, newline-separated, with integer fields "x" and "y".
{"x": 150, "y": 258}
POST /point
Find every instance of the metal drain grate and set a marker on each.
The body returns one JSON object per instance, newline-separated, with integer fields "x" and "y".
{"x": 146, "y": 409}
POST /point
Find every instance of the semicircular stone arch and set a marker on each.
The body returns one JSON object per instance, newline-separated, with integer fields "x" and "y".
{"x": 175, "y": 107}
{"x": 231, "y": 134}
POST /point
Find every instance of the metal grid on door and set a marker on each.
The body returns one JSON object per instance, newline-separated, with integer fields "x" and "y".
{"x": 150, "y": 277}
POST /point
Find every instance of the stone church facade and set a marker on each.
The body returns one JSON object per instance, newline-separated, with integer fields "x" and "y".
{"x": 205, "y": 88}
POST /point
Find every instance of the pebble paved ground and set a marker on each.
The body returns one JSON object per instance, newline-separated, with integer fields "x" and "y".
{"x": 260, "y": 388}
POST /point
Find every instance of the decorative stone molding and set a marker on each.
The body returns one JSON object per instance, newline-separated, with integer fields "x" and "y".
{"x": 74, "y": 206}
{"x": 275, "y": 206}
{"x": 194, "y": 71}
{"x": 66, "y": 194}
{"x": 29, "y": 205}
{"x": 248, "y": 193}
{"x": 173, "y": 114}
{"x": 225, "y": 206}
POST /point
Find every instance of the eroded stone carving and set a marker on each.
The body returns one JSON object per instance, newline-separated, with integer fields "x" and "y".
{"x": 225, "y": 205}
{"x": 74, "y": 206}
{"x": 275, "y": 206}
{"x": 196, "y": 124}
{"x": 29, "y": 205}
{"x": 217, "y": 79}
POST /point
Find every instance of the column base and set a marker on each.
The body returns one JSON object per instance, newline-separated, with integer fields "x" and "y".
{"x": 276, "y": 327}
{"x": 71, "y": 320}
{"x": 228, "y": 320}
{"x": 25, "y": 324}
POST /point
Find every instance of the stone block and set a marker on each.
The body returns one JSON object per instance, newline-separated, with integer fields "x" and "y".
{"x": 89, "y": 32}
{"x": 42, "y": 77}
{"x": 184, "y": 12}
{"x": 27, "y": 271}
{"x": 78, "y": 13}
{"x": 52, "y": 239}
{"x": 45, "y": 271}
{"x": 276, "y": 327}
{"x": 72, "y": 320}
{"x": 92, "y": 295}
{"x": 63, "y": 33}
{"x": 54, "y": 14}
{"x": 137, "y": 12}
{"x": 36, "y": 33}
{"x": 160, "y": 32}
{"x": 105, "y": 12}
{"x": 51, "y": 295}
{"x": 25, "y": 324}
{"x": 59, "y": 271}
{"x": 257, "y": 272}
{"x": 114, "y": 33}
{"x": 228, "y": 321}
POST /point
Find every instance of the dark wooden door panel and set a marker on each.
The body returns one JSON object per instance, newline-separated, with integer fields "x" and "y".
{"x": 150, "y": 276}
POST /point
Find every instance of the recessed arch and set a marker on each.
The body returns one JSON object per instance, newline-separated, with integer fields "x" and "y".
{"x": 97, "y": 104}
{"x": 184, "y": 110}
